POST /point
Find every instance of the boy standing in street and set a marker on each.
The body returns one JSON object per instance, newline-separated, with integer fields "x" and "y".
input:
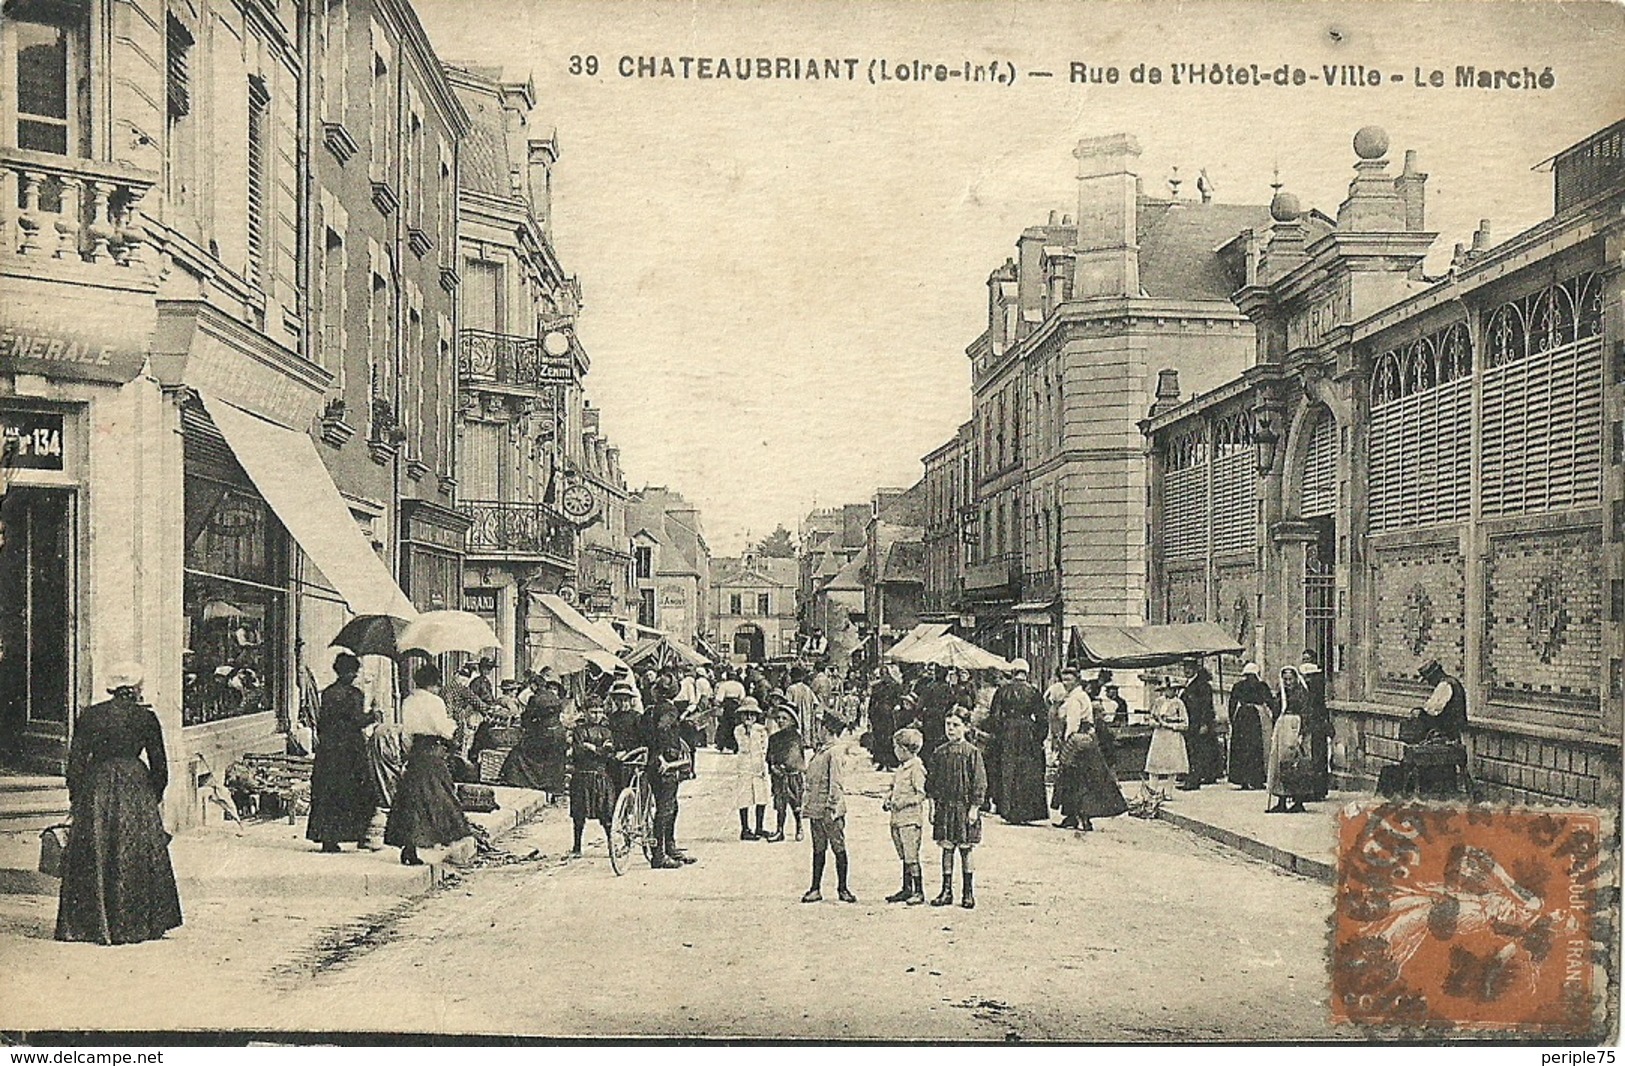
{"x": 956, "y": 784}
{"x": 906, "y": 802}
{"x": 824, "y": 807}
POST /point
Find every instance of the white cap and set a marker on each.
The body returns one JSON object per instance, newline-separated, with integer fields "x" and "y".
{"x": 1250, "y": 668}
{"x": 128, "y": 674}
{"x": 1308, "y": 669}
{"x": 1019, "y": 666}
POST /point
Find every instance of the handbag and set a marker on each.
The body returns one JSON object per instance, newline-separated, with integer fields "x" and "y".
{"x": 53, "y": 841}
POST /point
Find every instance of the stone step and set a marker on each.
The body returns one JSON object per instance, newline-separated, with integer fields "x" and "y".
{"x": 10, "y": 783}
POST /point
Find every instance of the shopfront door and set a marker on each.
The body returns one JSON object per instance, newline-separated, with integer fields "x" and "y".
{"x": 36, "y": 628}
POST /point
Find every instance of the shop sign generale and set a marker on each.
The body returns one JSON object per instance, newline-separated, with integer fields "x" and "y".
{"x": 59, "y": 354}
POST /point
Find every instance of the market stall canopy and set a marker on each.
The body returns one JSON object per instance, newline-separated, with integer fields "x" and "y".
{"x": 949, "y": 650}
{"x": 567, "y": 640}
{"x": 923, "y": 631}
{"x": 283, "y": 465}
{"x": 439, "y": 632}
{"x": 665, "y": 651}
{"x": 1138, "y": 646}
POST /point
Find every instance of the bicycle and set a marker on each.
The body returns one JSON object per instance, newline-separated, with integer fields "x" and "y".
{"x": 633, "y": 822}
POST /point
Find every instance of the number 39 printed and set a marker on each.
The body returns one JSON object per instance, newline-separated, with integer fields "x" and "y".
{"x": 584, "y": 65}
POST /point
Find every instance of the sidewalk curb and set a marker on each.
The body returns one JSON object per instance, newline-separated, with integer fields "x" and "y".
{"x": 382, "y": 880}
{"x": 1302, "y": 865}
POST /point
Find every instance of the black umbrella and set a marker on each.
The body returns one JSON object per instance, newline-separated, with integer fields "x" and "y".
{"x": 371, "y": 634}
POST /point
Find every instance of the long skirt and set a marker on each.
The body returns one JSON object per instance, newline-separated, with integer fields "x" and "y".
{"x": 342, "y": 791}
{"x": 592, "y": 796}
{"x": 1018, "y": 778}
{"x": 1166, "y": 756}
{"x": 541, "y": 770}
{"x": 1086, "y": 786}
{"x": 1283, "y": 746}
{"x": 118, "y": 886}
{"x": 425, "y": 812}
{"x": 1249, "y": 738}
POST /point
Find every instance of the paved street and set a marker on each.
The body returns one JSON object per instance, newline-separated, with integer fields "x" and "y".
{"x": 1070, "y": 940}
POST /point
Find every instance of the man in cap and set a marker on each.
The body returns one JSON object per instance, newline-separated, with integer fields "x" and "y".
{"x": 1065, "y": 680}
{"x": 1445, "y": 711}
{"x": 480, "y": 684}
{"x": 669, "y": 763}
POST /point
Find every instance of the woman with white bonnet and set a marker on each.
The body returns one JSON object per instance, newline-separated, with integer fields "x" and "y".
{"x": 118, "y": 886}
{"x": 1251, "y": 722}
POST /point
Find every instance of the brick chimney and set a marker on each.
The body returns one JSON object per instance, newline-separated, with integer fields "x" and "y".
{"x": 1167, "y": 391}
{"x": 541, "y": 154}
{"x": 1108, "y": 259}
{"x": 1411, "y": 186}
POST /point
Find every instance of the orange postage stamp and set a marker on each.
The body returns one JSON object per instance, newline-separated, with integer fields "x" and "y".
{"x": 1469, "y": 918}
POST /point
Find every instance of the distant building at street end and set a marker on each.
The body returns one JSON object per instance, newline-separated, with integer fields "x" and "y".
{"x": 671, "y": 565}
{"x": 1420, "y": 469}
{"x": 833, "y": 547}
{"x": 894, "y": 564}
{"x": 753, "y": 606}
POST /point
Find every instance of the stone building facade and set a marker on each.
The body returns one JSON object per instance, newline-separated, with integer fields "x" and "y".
{"x": 753, "y": 606}
{"x": 1079, "y": 322}
{"x": 382, "y": 130}
{"x": 1421, "y": 468}
{"x": 951, "y": 525}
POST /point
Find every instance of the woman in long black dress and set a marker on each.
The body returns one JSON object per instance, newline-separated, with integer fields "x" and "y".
{"x": 118, "y": 886}
{"x": 1251, "y": 722}
{"x": 1085, "y": 787}
{"x": 537, "y": 762}
{"x": 342, "y": 794}
{"x": 425, "y": 812}
{"x": 1020, "y": 721}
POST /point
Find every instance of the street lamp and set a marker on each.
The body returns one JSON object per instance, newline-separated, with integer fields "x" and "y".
{"x": 1265, "y": 440}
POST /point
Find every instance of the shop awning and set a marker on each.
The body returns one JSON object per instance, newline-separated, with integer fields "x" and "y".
{"x": 1137, "y": 646}
{"x": 566, "y": 640}
{"x": 567, "y": 629}
{"x": 923, "y": 631}
{"x": 666, "y": 651}
{"x": 286, "y": 470}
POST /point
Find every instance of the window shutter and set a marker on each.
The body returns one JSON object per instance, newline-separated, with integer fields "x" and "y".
{"x": 178, "y": 82}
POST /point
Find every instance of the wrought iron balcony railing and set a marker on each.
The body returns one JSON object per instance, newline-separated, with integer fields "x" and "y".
{"x": 511, "y": 527}
{"x": 506, "y": 359}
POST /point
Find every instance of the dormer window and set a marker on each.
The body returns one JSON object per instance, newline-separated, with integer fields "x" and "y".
{"x": 49, "y": 46}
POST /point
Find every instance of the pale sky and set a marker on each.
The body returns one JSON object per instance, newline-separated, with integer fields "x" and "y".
{"x": 781, "y": 277}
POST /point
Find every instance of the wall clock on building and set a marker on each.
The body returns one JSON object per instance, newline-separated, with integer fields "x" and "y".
{"x": 556, "y": 343}
{"x": 578, "y": 503}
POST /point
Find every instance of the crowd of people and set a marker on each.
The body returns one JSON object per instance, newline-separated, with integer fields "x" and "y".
{"x": 958, "y": 747}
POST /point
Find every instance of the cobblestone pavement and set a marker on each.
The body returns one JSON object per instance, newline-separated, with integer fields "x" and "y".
{"x": 1137, "y": 932}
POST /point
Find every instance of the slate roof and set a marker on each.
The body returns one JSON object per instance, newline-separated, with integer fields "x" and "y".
{"x": 1177, "y": 244}
{"x": 905, "y": 563}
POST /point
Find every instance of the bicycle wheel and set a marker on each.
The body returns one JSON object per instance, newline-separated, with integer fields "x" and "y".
{"x": 623, "y": 829}
{"x": 646, "y": 823}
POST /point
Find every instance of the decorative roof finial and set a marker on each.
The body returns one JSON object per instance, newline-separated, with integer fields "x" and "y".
{"x": 1173, "y": 181}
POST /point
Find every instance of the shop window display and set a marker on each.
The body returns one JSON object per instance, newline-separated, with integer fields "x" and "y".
{"x": 236, "y": 603}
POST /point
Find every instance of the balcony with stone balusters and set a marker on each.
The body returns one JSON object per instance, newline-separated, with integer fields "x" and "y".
{"x": 79, "y": 218}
